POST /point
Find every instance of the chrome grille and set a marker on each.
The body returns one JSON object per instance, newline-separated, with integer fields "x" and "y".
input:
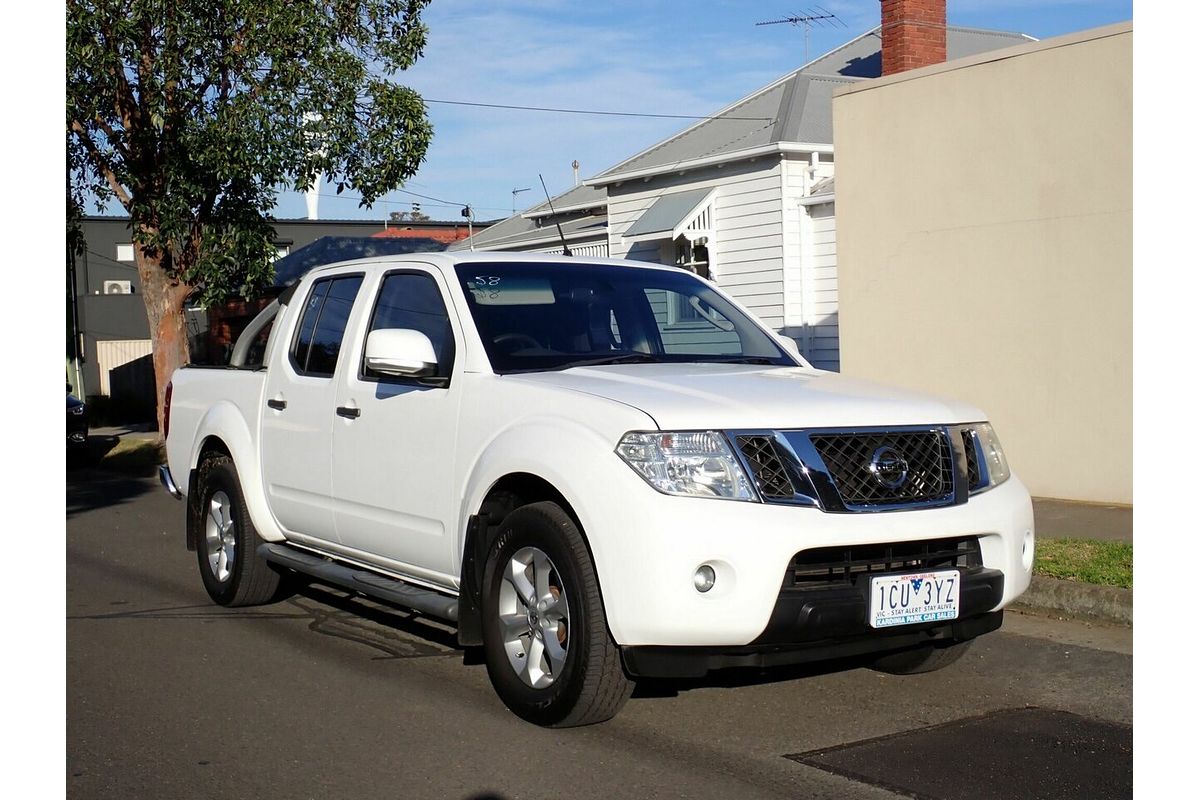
{"x": 766, "y": 466}
{"x": 848, "y": 459}
{"x": 840, "y": 566}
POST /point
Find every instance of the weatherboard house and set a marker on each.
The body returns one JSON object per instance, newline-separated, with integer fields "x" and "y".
{"x": 745, "y": 197}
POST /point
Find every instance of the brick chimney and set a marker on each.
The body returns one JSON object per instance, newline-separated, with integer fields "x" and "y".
{"x": 914, "y": 34}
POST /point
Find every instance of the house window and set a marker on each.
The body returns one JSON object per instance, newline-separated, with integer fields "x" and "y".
{"x": 124, "y": 252}
{"x": 692, "y": 256}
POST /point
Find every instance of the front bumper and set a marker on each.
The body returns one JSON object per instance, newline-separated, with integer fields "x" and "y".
{"x": 648, "y": 546}
{"x": 829, "y": 622}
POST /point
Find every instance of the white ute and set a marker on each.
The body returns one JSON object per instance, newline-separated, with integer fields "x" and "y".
{"x": 599, "y": 470}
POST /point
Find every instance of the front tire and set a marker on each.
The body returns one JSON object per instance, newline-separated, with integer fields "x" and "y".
{"x": 927, "y": 658}
{"x": 546, "y": 643}
{"x": 233, "y": 572}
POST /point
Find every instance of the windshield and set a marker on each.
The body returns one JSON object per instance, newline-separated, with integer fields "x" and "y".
{"x": 557, "y": 316}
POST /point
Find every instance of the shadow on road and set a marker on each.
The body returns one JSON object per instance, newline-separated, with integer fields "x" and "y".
{"x": 91, "y": 488}
{"x": 89, "y": 454}
{"x": 393, "y": 631}
{"x": 736, "y": 677}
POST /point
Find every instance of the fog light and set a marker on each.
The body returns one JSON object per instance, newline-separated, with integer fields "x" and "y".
{"x": 1027, "y": 550}
{"x": 704, "y": 578}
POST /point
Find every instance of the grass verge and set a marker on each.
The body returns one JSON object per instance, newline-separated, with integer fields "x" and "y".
{"x": 133, "y": 455}
{"x": 1086, "y": 561}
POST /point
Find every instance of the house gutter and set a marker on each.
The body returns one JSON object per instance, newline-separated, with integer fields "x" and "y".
{"x": 816, "y": 199}
{"x": 565, "y": 209}
{"x": 570, "y": 237}
{"x": 683, "y": 166}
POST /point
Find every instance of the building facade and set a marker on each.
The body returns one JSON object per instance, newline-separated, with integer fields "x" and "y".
{"x": 993, "y": 262}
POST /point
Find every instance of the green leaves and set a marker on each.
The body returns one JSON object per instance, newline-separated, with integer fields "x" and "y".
{"x": 193, "y": 112}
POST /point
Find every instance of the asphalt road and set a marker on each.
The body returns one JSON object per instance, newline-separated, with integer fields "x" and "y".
{"x": 328, "y": 696}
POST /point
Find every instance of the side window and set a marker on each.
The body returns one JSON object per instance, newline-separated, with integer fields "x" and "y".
{"x": 308, "y": 323}
{"x": 412, "y": 300}
{"x": 256, "y": 354}
{"x": 319, "y": 338}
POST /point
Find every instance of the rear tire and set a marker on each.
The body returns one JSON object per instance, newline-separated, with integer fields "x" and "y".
{"x": 927, "y": 658}
{"x": 233, "y": 572}
{"x": 549, "y": 654}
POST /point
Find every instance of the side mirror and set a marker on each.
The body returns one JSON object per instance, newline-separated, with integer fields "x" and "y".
{"x": 400, "y": 351}
{"x": 69, "y": 388}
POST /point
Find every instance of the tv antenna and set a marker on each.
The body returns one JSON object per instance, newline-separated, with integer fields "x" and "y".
{"x": 516, "y": 192}
{"x": 816, "y": 15}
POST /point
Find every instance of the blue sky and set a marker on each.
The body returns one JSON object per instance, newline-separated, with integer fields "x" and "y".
{"x": 643, "y": 56}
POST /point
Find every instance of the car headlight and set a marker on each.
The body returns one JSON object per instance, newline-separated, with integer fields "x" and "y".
{"x": 689, "y": 463}
{"x": 993, "y": 465}
{"x": 77, "y": 410}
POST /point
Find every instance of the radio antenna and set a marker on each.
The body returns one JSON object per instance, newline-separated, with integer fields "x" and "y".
{"x": 566, "y": 250}
{"x": 813, "y": 16}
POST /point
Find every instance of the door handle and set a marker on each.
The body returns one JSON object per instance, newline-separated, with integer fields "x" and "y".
{"x": 348, "y": 412}
{"x": 278, "y": 405}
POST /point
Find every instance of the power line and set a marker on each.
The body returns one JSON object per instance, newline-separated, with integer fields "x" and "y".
{"x": 586, "y": 111}
{"x": 112, "y": 261}
{"x": 439, "y": 203}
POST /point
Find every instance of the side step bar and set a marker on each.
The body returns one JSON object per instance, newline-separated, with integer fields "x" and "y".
{"x": 381, "y": 587}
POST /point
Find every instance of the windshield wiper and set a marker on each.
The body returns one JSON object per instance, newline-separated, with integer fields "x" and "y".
{"x": 625, "y": 358}
{"x": 740, "y": 360}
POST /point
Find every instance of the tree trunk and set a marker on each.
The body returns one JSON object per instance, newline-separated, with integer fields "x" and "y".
{"x": 164, "y": 300}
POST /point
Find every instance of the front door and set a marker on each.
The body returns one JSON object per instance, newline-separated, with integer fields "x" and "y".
{"x": 393, "y": 463}
{"x": 298, "y": 416}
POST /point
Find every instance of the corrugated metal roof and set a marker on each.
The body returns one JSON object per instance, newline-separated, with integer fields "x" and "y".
{"x": 576, "y": 197}
{"x": 517, "y": 231}
{"x": 532, "y": 224}
{"x": 861, "y": 56}
{"x": 666, "y": 212}
{"x": 796, "y": 108}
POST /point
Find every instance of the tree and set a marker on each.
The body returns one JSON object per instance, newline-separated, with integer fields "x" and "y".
{"x": 194, "y": 113}
{"x": 408, "y": 216}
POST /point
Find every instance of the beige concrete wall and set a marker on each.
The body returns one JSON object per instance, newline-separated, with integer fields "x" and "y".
{"x": 985, "y": 248}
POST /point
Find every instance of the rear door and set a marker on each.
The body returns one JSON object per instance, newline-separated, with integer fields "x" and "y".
{"x": 298, "y": 419}
{"x": 393, "y": 463}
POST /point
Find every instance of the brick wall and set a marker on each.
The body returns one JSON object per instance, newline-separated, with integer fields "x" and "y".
{"x": 914, "y": 34}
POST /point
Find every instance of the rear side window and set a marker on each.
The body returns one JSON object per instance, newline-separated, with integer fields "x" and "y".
{"x": 412, "y": 300}
{"x": 319, "y": 337}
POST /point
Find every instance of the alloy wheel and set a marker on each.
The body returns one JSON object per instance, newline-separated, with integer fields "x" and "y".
{"x": 220, "y": 536}
{"x": 535, "y": 619}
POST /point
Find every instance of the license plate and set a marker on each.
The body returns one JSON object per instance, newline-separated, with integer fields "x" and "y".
{"x": 914, "y": 598}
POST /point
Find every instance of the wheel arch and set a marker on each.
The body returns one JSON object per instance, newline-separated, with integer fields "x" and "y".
{"x": 509, "y": 491}
{"x": 210, "y": 446}
{"x": 544, "y": 457}
{"x": 223, "y": 430}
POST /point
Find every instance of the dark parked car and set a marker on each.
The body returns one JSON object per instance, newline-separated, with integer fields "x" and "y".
{"x": 77, "y": 423}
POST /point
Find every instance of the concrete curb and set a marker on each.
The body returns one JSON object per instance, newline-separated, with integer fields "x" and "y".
{"x": 1085, "y": 601}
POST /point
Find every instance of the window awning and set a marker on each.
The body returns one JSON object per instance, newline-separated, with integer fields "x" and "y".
{"x": 670, "y": 214}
